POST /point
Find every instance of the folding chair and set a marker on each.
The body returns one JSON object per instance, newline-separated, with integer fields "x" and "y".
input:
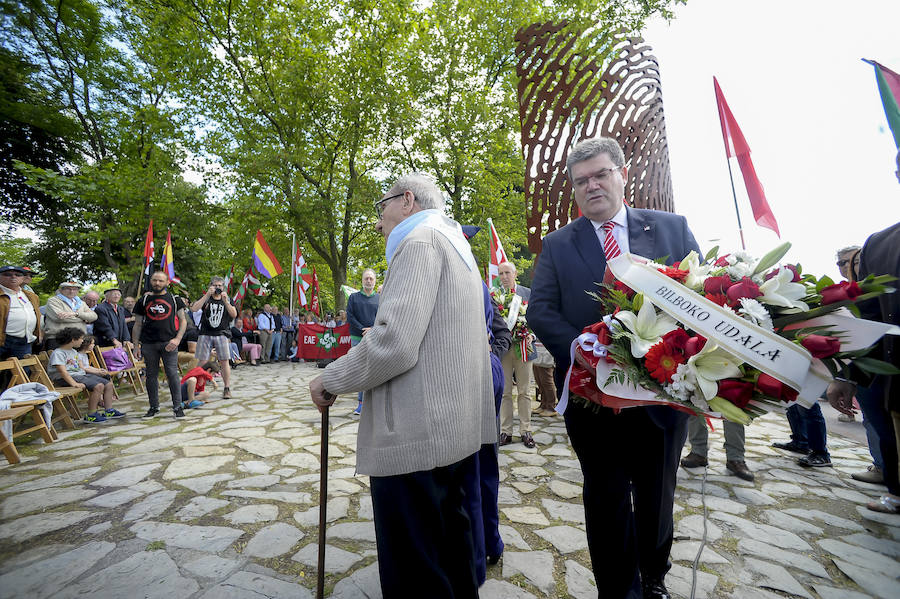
{"x": 131, "y": 373}
{"x": 65, "y": 407}
{"x": 6, "y": 445}
{"x": 139, "y": 367}
{"x": 32, "y": 407}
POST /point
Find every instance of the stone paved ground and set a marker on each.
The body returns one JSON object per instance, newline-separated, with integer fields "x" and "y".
{"x": 222, "y": 504}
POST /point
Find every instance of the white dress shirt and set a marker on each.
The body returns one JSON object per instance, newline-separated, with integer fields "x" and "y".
{"x": 21, "y": 320}
{"x": 620, "y": 230}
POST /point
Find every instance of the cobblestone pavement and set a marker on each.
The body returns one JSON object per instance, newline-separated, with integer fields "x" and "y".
{"x": 223, "y": 504}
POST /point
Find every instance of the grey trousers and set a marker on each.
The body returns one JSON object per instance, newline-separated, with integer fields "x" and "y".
{"x": 698, "y": 436}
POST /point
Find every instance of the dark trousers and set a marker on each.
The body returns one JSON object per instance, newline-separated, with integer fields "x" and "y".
{"x": 152, "y": 353}
{"x": 875, "y": 418}
{"x": 543, "y": 377}
{"x": 808, "y": 427}
{"x": 887, "y": 436}
{"x": 626, "y": 458}
{"x": 423, "y": 533}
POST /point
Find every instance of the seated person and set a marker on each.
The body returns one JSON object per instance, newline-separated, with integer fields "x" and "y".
{"x": 66, "y": 310}
{"x": 248, "y": 326}
{"x": 193, "y": 384}
{"x": 67, "y": 368}
{"x": 252, "y": 350}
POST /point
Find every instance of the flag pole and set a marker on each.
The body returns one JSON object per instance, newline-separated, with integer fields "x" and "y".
{"x": 736, "y": 211}
{"x": 293, "y": 259}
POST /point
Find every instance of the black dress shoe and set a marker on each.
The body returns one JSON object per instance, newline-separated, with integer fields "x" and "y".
{"x": 528, "y": 440}
{"x": 492, "y": 560}
{"x": 505, "y": 439}
{"x": 655, "y": 589}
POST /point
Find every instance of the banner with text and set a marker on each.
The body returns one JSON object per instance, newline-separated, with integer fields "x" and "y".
{"x": 316, "y": 342}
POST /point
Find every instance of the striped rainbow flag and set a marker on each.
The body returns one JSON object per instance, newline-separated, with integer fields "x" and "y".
{"x": 265, "y": 261}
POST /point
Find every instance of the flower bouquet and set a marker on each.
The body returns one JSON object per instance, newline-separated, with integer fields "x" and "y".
{"x": 512, "y": 309}
{"x": 729, "y": 336}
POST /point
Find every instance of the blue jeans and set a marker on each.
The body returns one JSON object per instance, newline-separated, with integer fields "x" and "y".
{"x": 875, "y": 418}
{"x": 808, "y": 428}
{"x": 276, "y": 346}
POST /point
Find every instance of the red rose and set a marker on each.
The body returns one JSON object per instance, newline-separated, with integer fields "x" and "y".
{"x": 790, "y": 267}
{"x": 772, "y": 387}
{"x": 721, "y": 260}
{"x": 737, "y": 392}
{"x": 840, "y": 292}
{"x": 693, "y": 345}
{"x": 717, "y": 298}
{"x": 676, "y": 338}
{"x": 718, "y": 284}
{"x": 821, "y": 346}
{"x": 743, "y": 288}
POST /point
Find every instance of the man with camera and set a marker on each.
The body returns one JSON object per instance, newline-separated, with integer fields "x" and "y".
{"x": 215, "y": 327}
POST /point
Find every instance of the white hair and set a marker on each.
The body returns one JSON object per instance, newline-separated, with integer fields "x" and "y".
{"x": 426, "y": 192}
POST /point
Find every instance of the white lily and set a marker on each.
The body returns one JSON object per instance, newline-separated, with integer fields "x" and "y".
{"x": 780, "y": 291}
{"x": 697, "y": 272}
{"x": 710, "y": 365}
{"x": 646, "y": 328}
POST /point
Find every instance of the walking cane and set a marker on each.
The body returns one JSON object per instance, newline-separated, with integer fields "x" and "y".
{"x": 323, "y": 500}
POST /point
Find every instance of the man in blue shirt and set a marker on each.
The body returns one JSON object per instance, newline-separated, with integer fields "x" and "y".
{"x": 361, "y": 309}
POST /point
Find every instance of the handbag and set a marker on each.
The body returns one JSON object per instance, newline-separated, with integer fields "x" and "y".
{"x": 544, "y": 359}
{"x": 117, "y": 359}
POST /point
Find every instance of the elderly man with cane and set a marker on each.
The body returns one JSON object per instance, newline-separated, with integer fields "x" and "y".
{"x": 427, "y": 395}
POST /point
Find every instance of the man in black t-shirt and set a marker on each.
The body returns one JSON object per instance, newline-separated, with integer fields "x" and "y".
{"x": 215, "y": 320}
{"x": 157, "y": 337}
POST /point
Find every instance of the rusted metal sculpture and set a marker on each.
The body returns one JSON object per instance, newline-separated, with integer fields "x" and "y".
{"x": 566, "y": 95}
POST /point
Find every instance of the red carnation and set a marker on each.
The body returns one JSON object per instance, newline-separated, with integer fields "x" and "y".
{"x": 840, "y": 292}
{"x": 743, "y": 288}
{"x": 737, "y": 392}
{"x": 662, "y": 362}
{"x": 772, "y": 387}
{"x": 715, "y": 285}
{"x": 675, "y": 273}
{"x": 717, "y": 298}
{"x": 693, "y": 345}
{"x": 821, "y": 346}
{"x": 721, "y": 260}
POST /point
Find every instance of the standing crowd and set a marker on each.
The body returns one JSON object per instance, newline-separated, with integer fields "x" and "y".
{"x": 431, "y": 365}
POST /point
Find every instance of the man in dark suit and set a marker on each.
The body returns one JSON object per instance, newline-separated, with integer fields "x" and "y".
{"x": 630, "y": 458}
{"x": 110, "y": 327}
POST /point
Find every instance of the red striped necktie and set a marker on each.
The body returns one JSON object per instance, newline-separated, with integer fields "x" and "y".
{"x": 610, "y": 245}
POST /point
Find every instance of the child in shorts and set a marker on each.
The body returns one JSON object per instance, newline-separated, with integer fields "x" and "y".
{"x": 66, "y": 369}
{"x": 193, "y": 384}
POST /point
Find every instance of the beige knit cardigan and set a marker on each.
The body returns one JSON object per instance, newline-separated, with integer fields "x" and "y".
{"x": 423, "y": 366}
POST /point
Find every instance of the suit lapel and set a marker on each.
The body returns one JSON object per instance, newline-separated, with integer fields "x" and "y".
{"x": 641, "y": 235}
{"x": 588, "y": 246}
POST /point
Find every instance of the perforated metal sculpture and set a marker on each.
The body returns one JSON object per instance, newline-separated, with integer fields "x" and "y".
{"x": 565, "y": 95}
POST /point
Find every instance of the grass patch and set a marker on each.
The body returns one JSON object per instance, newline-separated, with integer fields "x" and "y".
{"x": 155, "y": 546}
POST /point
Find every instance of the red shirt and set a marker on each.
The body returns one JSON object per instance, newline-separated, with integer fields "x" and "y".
{"x": 249, "y": 324}
{"x": 201, "y": 375}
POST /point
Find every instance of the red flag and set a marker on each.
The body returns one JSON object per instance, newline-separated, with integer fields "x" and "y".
{"x": 736, "y": 145}
{"x": 314, "y": 301}
{"x": 498, "y": 256}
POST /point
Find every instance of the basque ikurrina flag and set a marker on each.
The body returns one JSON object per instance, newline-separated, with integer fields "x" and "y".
{"x": 889, "y": 88}
{"x": 263, "y": 259}
{"x": 302, "y": 276}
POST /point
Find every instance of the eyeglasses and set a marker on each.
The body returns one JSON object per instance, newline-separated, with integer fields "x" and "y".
{"x": 601, "y": 176}
{"x": 842, "y": 262}
{"x": 379, "y": 205}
